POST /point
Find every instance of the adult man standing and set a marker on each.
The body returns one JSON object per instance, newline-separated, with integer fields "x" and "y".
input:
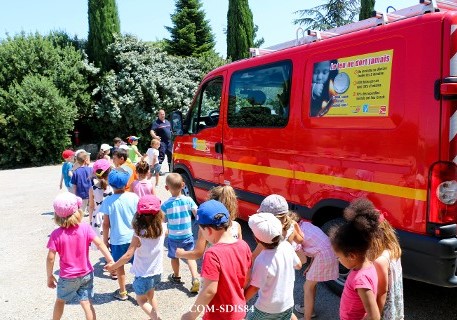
{"x": 161, "y": 130}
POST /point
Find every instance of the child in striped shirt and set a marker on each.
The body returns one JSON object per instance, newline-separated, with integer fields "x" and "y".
{"x": 178, "y": 210}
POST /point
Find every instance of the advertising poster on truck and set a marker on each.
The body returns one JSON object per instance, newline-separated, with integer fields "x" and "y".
{"x": 357, "y": 86}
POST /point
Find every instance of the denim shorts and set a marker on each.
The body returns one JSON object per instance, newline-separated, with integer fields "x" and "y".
{"x": 260, "y": 315}
{"x": 141, "y": 285}
{"x": 117, "y": 251}
{"x": 80, "y": 287}
{"x": 187, "y": 244}
{"x": 155, "y": 169}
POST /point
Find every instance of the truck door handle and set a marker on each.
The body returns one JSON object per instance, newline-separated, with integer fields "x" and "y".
{"x": 218, "y": 147}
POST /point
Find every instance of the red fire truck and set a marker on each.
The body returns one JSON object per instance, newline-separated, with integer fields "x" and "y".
{"x": 364, "y": 110}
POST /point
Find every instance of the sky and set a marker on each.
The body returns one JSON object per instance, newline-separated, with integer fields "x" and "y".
{"x": 146, "y": 18}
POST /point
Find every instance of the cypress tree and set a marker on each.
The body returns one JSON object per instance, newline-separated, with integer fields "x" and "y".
{"x": 103, "y": 26}
{"x": 191, "y": 33}
{"x": 240, "y": 29}
{"x": 366, "y": 9}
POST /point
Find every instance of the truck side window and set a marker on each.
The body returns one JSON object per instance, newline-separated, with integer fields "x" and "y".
{"x": 205, "y": 111}
{"x": 259, "y": 97}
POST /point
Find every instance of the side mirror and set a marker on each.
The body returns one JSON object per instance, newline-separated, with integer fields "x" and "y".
{"x": 176, "y": 123}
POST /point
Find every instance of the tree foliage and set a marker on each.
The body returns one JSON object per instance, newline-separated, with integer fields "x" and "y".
{"x": 35, "y": 120}
{"x": 329, "y": 15}
{"x": 43, "y": 87}
{"x": 366, "y": 9}
{"x": 147, "y": 79}
{"x": 104, "y": 25}
{"x": 191, "y": 34}
{"x": 240, "y": 29}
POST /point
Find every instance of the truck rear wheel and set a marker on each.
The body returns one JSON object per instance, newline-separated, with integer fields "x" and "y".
{"x": 337, "y": 285}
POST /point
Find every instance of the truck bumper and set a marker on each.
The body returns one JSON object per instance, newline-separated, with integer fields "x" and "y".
{"x": 429, "y": 259}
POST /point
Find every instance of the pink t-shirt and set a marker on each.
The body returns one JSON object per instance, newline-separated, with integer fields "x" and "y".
{"x": 72, "y": 245}
{"x": 142, "y": 188}
{"x": 351, "y": 306}
{"x": 228, "y": 264}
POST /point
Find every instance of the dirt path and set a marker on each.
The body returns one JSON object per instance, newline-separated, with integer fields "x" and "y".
{"x": 26, "y": 222}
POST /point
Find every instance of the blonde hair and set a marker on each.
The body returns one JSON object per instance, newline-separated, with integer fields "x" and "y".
{"x": 286, "y": 220}
{"x": 386, "y": 241}
{"x": 70, "y": 221}
{"x": 227, "y": 196}
{"x": 154, "y": 142}
{"x": 174, "y": 181}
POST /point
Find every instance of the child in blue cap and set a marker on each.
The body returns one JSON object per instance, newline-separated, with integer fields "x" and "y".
{"x": 224, "y": 268}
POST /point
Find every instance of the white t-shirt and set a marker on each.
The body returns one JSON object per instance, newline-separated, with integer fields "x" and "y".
{"x": 153, "y": 154}
{"x": 274, "y": 274}
{"x": 148, "y": 258}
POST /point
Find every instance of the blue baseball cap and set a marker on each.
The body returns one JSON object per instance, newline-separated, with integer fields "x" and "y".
{"x": 118, "y": 178}
{"x": 207, "y": 211}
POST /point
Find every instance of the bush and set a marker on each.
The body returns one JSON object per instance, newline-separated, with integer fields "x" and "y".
{"x": 35, "y": 121}
{"x": 145, "y": 80}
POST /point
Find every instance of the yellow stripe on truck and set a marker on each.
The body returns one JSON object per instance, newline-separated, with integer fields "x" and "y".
{"x": 375, "y": 187}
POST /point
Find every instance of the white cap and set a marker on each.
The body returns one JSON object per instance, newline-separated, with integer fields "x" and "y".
{"x": 265, "y": 226}
{"x": 124, "y": 147}
{"x": 274, "y": 204}
{"x": 80, "y": 150}
{"x": 105, "y": 147}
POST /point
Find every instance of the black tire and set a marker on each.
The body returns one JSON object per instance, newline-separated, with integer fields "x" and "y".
{"x": 336, "y": 286}
{"x": 188, "y": 189}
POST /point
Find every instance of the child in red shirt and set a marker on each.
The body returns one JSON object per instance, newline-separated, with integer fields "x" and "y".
{"x": 224, "y": 268}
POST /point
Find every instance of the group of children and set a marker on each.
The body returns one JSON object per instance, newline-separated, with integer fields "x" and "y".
{"x": 132, "y": 225}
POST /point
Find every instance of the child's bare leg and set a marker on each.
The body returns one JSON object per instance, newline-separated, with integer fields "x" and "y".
{"x": 155, "y": 306}
{"x": 121, "y": 278}
{"x": 89, "y": 310}
{"x": 145, "y": 305}
{"x": 293, "y": 317}
{"x": 193, "y": 268}
{"x": 58, "y": 309}
{"x": 309, "y": 290}
{"x": 175, "y": 266}
{"x": 157, "y": 179}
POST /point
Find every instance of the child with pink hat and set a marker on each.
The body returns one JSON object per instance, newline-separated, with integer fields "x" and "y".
{"x": 147, "y": 247}
{"x": 71, "y": 241}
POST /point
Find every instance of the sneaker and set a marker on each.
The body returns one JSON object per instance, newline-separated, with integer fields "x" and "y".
{"x": 174, "y": 279}
{"x": 195, "y": 286}
{"x": 301, "y": 309}
{"x": 120, "y": 295}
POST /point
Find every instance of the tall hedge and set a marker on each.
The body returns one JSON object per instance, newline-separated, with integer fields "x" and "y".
{"x": 104, "y": 25}
{"x": 240, "y": 29}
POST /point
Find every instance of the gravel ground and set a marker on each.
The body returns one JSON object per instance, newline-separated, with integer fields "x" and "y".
{"x": 26, "y": 223}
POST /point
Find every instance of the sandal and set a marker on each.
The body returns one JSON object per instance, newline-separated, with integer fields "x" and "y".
{"x": 113, "y": 276}
{"x": 174, "y": 279}
{"x": 120, "y": 295}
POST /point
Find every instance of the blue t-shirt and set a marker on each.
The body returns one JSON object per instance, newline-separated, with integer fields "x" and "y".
{"x": 178, "y": 211}
{"x": 66, "y": 168}
{"x": 162, "y": 129}
{"x": 81, "y": 178}
{"x": 121, "y": 208}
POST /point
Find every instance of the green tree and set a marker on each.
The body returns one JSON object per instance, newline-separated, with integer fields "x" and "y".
{"x": 191, "y": 34}
{"x": 258, "y": 42}
{"x": 329, "y": 15}
{"x": 366, "y": 9}
{"x": 103, "y": 26}
{"x": 240, "y": 29}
